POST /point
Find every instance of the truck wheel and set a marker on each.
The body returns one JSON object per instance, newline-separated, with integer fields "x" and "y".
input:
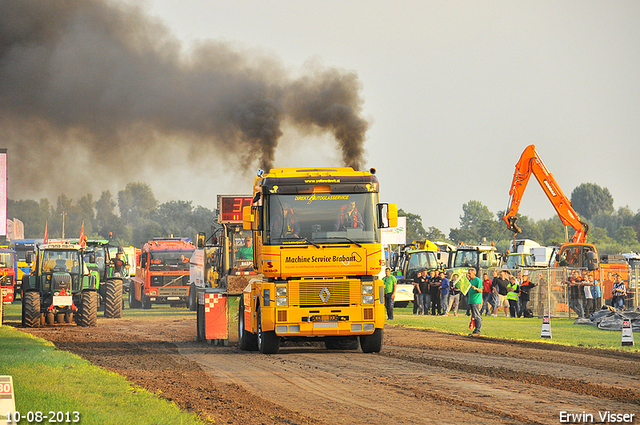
{"x": 192, "y": 302}
{"x": 342, "y": 343}
{"x": 88, "y": 309}
{"x": 199, "y": 322}
{"x": 268, "y": 341}
{"x": 146, "y": 304}
{"x": 113, "y": 299}
{"x": 133, "y": 303}
{"x": 371, "y": 343}
{"x": 31, "y": 310}
{"x": 246, "y": 340}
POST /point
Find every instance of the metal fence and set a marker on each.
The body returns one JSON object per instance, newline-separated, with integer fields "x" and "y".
{"x": 551, "y": 295}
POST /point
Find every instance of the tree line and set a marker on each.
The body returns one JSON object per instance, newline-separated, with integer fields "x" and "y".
{"x": 134, "y": 216}
{"x": 138, "y": 217}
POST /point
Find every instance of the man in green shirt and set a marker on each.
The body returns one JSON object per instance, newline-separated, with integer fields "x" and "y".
{"x": 389, "y": 291}
{"x": 245, "y": 252}
{"x": 475, "y": 299}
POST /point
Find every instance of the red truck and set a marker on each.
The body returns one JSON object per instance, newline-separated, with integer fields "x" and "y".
{"x": 162, "y": 277}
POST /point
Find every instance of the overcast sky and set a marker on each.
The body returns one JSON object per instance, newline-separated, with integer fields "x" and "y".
{"x": 453, "y": 90}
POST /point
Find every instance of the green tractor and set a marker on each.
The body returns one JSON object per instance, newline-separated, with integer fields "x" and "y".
{"x": 59, "y": 289}
{"x": 99, "y": 256}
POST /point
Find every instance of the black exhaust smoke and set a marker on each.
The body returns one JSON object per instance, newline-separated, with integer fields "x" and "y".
{"x": 98, "y": 88}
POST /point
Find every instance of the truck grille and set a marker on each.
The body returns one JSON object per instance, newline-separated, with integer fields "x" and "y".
{"x": 170, "y": 280}
{"x": 324, "y": 293}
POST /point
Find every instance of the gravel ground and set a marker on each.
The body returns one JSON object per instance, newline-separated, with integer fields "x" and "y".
{"x": 419, "y": 377}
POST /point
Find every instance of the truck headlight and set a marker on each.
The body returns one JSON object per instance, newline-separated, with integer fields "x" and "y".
{"x": 281, "y": 302}
{"x": 281, "y": 291}
{"x": 367, "y": 299}
{"x": 367, "y": 290}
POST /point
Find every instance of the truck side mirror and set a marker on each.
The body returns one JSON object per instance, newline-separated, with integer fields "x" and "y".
{"x": 247, "y": 218}
{"x": 387, "y": 215}
{"x": 30, "y": 257}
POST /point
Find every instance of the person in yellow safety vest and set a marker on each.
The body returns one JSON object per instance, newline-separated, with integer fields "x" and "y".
{"x": 512, "y": 296}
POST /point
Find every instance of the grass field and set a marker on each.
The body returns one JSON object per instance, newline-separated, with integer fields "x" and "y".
{"x": 49, "y": 380}
{"x": 563, "y": 331}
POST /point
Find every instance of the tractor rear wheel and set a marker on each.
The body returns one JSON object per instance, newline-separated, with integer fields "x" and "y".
{"x": 113, "y": 299}
{"x": 31, "y": 310}
{"x": 88, "y": 309}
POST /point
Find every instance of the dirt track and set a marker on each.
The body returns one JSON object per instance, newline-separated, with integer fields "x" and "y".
{"x": 419, "y": 377}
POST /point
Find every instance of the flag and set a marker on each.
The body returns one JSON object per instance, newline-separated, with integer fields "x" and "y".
{"x": 462, "y": 282}
{"x": 83, "y": 239}
{"x": 46, "y": 232}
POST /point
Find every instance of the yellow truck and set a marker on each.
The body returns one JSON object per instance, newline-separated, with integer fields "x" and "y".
{"x": 317, "y": 250}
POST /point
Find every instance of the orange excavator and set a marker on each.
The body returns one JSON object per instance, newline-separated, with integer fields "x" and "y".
{"x": 574, "y": 253}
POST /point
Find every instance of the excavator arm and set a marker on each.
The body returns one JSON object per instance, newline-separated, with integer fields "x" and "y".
{"x": 530, "y": 163}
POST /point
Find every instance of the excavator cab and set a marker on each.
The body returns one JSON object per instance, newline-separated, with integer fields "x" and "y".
{"x": 578, "y": 256}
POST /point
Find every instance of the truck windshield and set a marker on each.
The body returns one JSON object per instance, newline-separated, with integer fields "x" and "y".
{"x": 6, "y": 260}
{"x": 321, "y": 218}
{"x": 60, "y": 261}
{"x": 466, "y": 259}
{"x": 170, "y": 260}
{"x": 418, "y": 261}
{"x": 519, "y": 260}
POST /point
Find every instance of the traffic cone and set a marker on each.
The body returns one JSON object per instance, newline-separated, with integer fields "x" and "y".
{"x": 546, "y": 328}
{"x": 627, "y": 333}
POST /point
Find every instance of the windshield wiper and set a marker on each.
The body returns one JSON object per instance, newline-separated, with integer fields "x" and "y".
{"x": 171, "y": 281}
{"x": 344, "y": 237}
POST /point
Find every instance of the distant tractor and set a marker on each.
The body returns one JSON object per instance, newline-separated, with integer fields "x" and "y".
{"x": 59, "y": 289}
{"x": 99, "y": 256}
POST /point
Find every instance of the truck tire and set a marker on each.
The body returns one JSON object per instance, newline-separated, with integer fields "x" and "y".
{"x": 371, "y": 343}
{"x": 192, "y": 302}
{"x": 88, "y": 315}
{"x": 200, "y": 330}
{"x": 31, "y": 310}
{"x": 342, "y": 343}
{"x": 247, "y": 341}
{"x": 268, "y": 341}
{"x": 113, "y": 299}
{"x": 133, "y": 303}
{"x": 146, "y": 304}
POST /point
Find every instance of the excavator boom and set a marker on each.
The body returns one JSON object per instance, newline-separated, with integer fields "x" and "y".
{"x": 530, "y": 163}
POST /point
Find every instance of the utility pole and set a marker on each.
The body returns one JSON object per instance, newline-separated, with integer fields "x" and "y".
{"x": 64, "y": 213}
